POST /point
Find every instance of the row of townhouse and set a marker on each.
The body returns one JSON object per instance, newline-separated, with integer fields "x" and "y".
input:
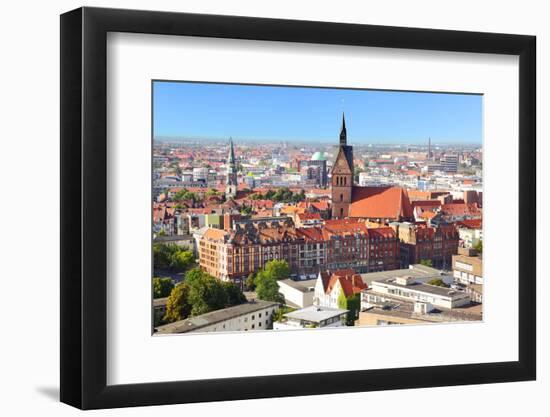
{"x": 338, "y": 244}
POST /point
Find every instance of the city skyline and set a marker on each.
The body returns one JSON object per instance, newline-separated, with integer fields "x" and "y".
{"x": 213, "y": 111}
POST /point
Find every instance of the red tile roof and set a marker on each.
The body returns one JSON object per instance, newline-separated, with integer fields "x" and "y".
{"x": 309, "y": 216}
{"x": 460, "y": 209}
{"x": 470, "y": 223}
{"x": 380, "y": 203}
{"x": 350, "y": 282}
{"x": 426, "y": 203}
{"x": 311, "y": 233}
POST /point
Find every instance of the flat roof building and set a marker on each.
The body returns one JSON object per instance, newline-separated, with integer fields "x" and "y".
{"x": 468, "y": 269}
{"x": 255, "y": 315}
{"x": 297, "y": 293}
{"x": 405, "y": 300}
{"x": 312, "y": 317}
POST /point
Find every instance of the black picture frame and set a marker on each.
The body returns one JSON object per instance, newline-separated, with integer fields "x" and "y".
{"x": 84, "y": 207}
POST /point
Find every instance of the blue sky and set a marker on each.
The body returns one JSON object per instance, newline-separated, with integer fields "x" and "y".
{"x": 202, "y": 110}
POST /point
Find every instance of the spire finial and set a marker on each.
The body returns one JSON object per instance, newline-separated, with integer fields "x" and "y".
{"x": 343, "y": 132}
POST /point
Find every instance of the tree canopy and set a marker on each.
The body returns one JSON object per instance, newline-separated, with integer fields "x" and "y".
{"x": 479, "y": 246}
{"x": 266, "y": 280}
{"x": 426, "y": 262}
{"x": 438, "y": 282}
{"x": 177, "y": 305}
{"x": 183, "y": 195}
{"x": 352, "y": 304}
{"x": 281, "y": 195}
{"x": 201, "y": 293}
{"x": 170, "y": 256}
{"x": 162, "y": 287}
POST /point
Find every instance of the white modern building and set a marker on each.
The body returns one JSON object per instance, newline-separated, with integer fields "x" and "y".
{"x": 409, "y": 289}
{"x": 297, "y": 293}
{"x": 312, "y": 317}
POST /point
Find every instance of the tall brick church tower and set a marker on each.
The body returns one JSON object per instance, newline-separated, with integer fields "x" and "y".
{"x": 342, "y": 177}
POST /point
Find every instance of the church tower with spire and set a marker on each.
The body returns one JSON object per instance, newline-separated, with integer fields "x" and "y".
{"x": 231, "y": 174}
{"x": 342, "y": 176}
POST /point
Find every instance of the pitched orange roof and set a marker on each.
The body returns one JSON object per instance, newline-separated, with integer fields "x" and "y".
{"x": 380, "y": 202}
{"x": 470, "y": 223}
{"x": 292, "y": 210}
{"x": 428, "y": 215}
{"x": 215, "y": 234}
{"x": 350, "y": 282}
{"x": 309, "y": 216}
{"x": 460, "y": 209}
{"x": 426, "y": 203}
{"x": 311, "y": 233}
{"x": 385, "y": 232}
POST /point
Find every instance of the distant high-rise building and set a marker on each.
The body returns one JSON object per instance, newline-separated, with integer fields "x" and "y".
{"x": 449, "y": 163}
{"x": 231, "y": 175}
{"x": 430, "y": 155}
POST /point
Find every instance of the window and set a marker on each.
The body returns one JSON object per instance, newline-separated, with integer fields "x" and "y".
{"x": 252, "y": 326}
{"x": 341, "y": 212}
{"x": 341, "y": 197}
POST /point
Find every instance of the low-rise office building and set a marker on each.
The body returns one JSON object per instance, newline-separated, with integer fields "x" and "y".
{"x": 408, "y": 288}
{"x": 468, "y": 267}
{"x": 312, "y": 317}
{"x": 404, "y": 300}
{"x": 255, "y": 315}
{"x": 297, "y": 293}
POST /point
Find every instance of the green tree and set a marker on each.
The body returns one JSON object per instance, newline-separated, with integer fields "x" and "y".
{"x": 479, "y": 246}
{"x": 246, "y": 210}
{"x": 161, "y": 256}
{"x": 206, "y": 293}
{"x": 297, "y": 197}
{"x": 426, "y": 262}
{"x": 267, "y": 287}
{"x": 278, "y": 269}
{"x": 438, "y": 282}
{"x": 249, "y": 283}
{"x": 212, "y": 192}
{"x": 162, "y": 287}
{"x": 280, "y": 312}
{"x": 352, "y": 304}
{"x": 178, "y": 306}
{"x": 182, "y": 260}
{"x": 170, "y": 256}
{"x": 342, "y": 300}
{"x": 234, "y": 295}
{"x": 183, "y": 195}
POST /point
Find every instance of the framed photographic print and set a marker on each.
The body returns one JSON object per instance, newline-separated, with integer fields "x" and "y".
{"x": 245, "y": 198}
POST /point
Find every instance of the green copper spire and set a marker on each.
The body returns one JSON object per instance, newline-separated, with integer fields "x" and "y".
{"x": 231, "y": 156}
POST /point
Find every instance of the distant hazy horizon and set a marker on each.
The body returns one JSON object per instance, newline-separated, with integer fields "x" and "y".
{"x": 256, "y": 113}
{"x": 291, "y": 141}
